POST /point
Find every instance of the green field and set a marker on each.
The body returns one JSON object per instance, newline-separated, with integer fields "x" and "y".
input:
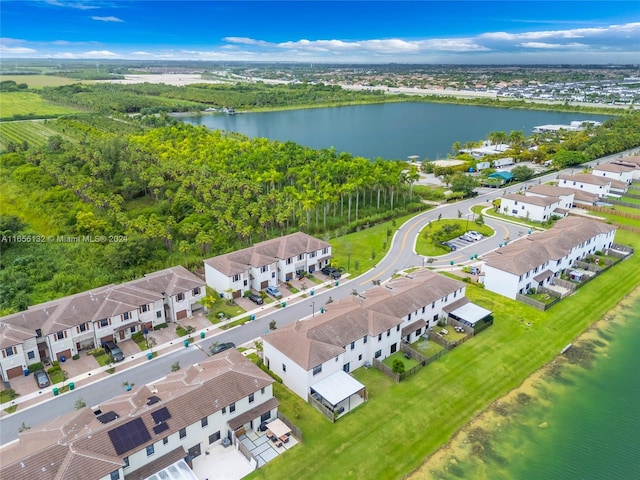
{"x": 402, "y": 423}
{"x": 29, "y": 105}
{"x": 35, "y": 133}
{"x": 39, "y": 81}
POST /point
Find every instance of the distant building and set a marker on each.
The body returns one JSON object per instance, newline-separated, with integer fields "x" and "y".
{"x": 589, "y": 183}
{"x": 574, "y": 126}
{"x": 620, "y": 173}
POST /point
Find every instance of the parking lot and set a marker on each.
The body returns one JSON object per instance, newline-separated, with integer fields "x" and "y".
{"x": 461, "y": 243}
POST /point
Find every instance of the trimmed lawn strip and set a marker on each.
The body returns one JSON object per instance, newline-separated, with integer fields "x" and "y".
{"x": 365, "y": 248}
{"x": 403, "y": 423}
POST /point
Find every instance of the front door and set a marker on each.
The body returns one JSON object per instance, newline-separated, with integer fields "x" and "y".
{"x": 194, "y": 451}
{"x": 121, "y": 334}
{"x": 393, "y": 348}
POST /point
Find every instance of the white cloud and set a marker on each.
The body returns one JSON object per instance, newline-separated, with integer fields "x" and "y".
{"x": 76, "y": 5}
{"x": 552, "y": 45}
{"x": 107, "y": 19}
{"x": 100, "y": 54}
{"x": 4, "y": 49}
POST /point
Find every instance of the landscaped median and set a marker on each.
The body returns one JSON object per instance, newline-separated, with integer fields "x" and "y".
{"x": 403, "y": 423}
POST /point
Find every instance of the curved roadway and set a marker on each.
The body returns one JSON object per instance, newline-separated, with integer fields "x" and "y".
{"x": 400, "y": 256}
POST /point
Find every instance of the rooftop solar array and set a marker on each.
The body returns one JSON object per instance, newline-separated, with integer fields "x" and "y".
{"x": 153, "y": 399}
{"x": 161, "y": 415}
{"x": 107, "y": 417}
{"x": 161, "y": 427}
{"x": 129, "y": 436}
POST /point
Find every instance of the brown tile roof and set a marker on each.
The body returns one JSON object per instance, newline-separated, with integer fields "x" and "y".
{"x": 312, "y": 342}
{"x": 532, "y": 251}
{"x": 78, "y": 438}
{"x": 255, "y": 412}
{"x": 11, "y": 335}
{"x": 613, "y": 168}
{"x": 585, "y": 178}
{"x": 266, "y": 253}
{"x": 550, "y": 190}
{"x": 531, "y": 199}
{"x": 103, "y": 302}
{"x": 619, "y": 184}
{"x": 158, "y": 464}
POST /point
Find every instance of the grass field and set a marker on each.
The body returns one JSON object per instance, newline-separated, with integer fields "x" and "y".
{"x": 35, "y": 133}
{"x": 27, "y": 104}
{"x": 401, "y": 424}
{"x": 425, "y": 245}
{"x": 39, "y": 81}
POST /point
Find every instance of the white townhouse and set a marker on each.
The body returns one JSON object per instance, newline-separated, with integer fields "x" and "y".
{"x": 589, "y": 183}
{"x": 532, "y": 207}
{"x": 266, "y": 264}
{"x": 633, "y": 162}
{"x": 136, "y": 434}
{"x": 61, "y": 328}
{"x": 614, "y": 171}
{"x": 565, "y": 196}
{"x": 536, "y": 260}
{"x": 309, "y": 355}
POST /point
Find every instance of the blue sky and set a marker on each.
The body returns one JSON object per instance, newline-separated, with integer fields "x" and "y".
{"x": 329, "y": 31}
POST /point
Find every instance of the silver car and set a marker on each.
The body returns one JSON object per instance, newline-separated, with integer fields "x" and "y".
{"x": 42, "y": 379}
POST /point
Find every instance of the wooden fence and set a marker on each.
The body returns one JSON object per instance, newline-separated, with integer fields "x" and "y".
{"x": 537, "y": 304}
{"x": 321, "y": 407}
{"x": 622, "y": 203}
{"x": 246, "y": 453}
{"x": 593, "y": 208}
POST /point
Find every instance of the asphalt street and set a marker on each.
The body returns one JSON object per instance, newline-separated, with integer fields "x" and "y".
{"x": 400, "y": 256}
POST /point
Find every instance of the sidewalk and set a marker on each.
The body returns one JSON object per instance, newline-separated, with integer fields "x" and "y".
{"x": 131, "y": 361}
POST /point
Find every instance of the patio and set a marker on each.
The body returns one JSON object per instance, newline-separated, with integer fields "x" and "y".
{"x": 262, "y": 448}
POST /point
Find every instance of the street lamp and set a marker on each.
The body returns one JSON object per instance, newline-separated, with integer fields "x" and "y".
{"x": 313, "y": 308}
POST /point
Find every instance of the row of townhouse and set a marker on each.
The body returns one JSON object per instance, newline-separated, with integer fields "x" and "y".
{"x": 313, "y": 357}
{"x": 631, "y": 164}
{"x": 600, "y": 185}
{"x": 538, "y": 259}
{"x": 62, "y": 327}
{"x": 134, "y": 435}
{"x": 266, "y": 264}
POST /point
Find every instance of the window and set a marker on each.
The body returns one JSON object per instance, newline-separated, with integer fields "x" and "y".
{"x": 236, "y": 278}
{"x": 265, "y": 269}
{"x": 284, "y": 367}
{"x": 232, "y": 408}
{"x": 8, "y": 351}
{"x": 317, "y": 369}
{"x": 325, "y": 250}
{"x": 301, "y": 256}
{"x": 262, "y": 390}
{"x": 214, "y": 437}
{"x": 353, "y": 345}
{"x": 418, "y": 332}
{"x": 115, "y": 475}
{"x": 104, "y": 322}
{"x": 31, "y": 355}
{"x": 224, "y": 410}
{"x": 312, "y": 254}
{"x": 433, "y": 304}
{"x": 82, "y": 327}
{"x": 265, "y": 416}
{"x": 397, "y": 328}
{"x": 378, "y": 354}
{"x": 379, "y": 337}
{"x": 245, "y": 283}
{"x": 159, "y": 314}
{"x": 455, "y": 294}
{"x": 126, "y": 462}
{"x": 196, "y": 291}
{"x": 38, "y": 332}
{"x": 180, "y": 297}
{"x": 389, "y": 333}
{"x": 409, "y": 317}
{"x": 59, "y": 335}
{"x": 423, "y": 309}
{"x": 364, "y": 339}
{"x": 144, "y": 308}
{"x": 204, "y": 422}
{"x": 125, "y": 316}
{"x": 132, "y": 329}
{"x": 150, "y": 450}
{"x": 165, "y": 440}
{"x": 183, "y": 432}
{"x": 251, "y": 398}
{"x": 346, "y": 367}
{"x": 289, "y": 261}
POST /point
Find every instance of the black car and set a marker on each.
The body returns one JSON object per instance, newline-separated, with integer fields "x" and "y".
{"x": 257, "y": 299}
{"x": 332, "y": 272}
{"x": 112, "y": 349}
{"x": 221, "y": 347}
{"x": 42, "y": 379}
{"x": 451, "y": 246}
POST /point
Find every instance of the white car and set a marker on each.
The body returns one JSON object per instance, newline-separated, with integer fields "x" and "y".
{"x": 472, "y": 234}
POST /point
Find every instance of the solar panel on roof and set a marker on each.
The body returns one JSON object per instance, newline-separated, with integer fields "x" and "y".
{"x": 107, "y": 417}
{"x": 161, "y": 415}
{"x": 153, "y": 399}
{"x": 160, "y": 428}
{"x": 129, "y": 436}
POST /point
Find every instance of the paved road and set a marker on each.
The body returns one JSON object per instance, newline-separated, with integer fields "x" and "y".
{"x": 401, "y": 256}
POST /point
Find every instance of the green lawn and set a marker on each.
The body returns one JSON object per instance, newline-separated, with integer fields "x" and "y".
{"x": 401, "y": 424}
{"x": 28, "y": 104}
{"x": 360, "y": 251}
{"x": 409, "y": 363}
{"x": 40, "y": 81}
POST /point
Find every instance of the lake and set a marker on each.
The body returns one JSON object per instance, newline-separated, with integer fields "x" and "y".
{"x": 391, "y": 130}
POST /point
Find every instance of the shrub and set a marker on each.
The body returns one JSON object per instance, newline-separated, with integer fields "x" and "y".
{"x": 160, "y": 326}
{"x": 76, "y": 357}
{"x": 35, "y": 367}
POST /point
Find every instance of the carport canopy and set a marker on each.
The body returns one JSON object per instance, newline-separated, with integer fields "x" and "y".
{"x": 470, "y": 313}
{"x": 337, "y": 387}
